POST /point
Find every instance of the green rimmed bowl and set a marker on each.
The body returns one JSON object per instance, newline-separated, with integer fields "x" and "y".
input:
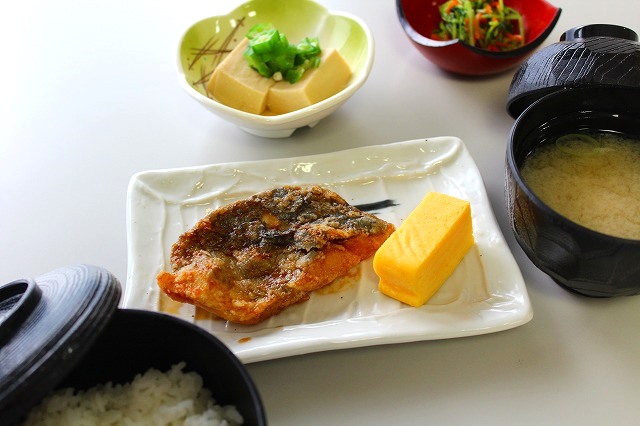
{"x": 208, "y": 41}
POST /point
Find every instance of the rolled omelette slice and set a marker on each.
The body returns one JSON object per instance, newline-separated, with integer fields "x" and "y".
{"x": 416, "y": 260}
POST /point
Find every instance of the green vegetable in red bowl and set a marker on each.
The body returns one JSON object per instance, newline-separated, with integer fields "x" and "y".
{"x": 421, "y": 19}
{"x": 484, "y": 24}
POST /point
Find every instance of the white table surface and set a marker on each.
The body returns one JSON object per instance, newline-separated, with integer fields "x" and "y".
{"x": 88, "y": 97}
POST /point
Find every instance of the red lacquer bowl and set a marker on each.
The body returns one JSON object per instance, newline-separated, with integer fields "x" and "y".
{"x": 419, "y": 18}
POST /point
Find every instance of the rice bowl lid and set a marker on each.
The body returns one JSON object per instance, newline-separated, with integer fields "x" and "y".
{"x": 47, "y": 324}
{"x": 594, "y": 55}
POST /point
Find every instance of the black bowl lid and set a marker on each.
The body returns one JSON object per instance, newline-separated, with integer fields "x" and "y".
{"x": 599, "y": 30}
{"x": 589, "y": 55}
{"x": 47, "y": 324}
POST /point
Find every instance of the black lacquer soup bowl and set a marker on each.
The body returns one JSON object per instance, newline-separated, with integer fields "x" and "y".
{"x": 579, "y": 259}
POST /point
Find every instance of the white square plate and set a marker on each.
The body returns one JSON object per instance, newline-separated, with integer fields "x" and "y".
{"x": 486, "y": 293}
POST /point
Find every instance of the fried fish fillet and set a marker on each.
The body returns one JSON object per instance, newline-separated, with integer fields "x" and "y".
{"x": 249, "y": 260}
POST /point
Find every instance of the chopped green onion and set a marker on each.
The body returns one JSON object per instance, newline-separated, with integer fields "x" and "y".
{"x": 265, "y": 41}
{"x": 294, "y": 74}
{"x": 256, "y": 63}
{"x": 257, "y": 29}
{"x": 271, "y": 55}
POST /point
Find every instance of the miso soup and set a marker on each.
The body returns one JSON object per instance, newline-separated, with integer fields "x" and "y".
{"x": 592, "y": 179}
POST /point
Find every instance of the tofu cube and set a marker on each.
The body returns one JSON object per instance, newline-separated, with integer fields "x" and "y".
{"x": 239, "y": 86}
{"x": 317, "y": 84}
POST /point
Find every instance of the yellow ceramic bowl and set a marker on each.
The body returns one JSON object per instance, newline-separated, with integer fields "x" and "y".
{"x": 205, "y": 44}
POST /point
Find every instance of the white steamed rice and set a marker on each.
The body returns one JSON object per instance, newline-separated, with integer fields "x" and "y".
{"x": 152, "y": 398}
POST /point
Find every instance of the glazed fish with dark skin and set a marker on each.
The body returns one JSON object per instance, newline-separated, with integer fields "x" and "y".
{"x": 251, "y": 259}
